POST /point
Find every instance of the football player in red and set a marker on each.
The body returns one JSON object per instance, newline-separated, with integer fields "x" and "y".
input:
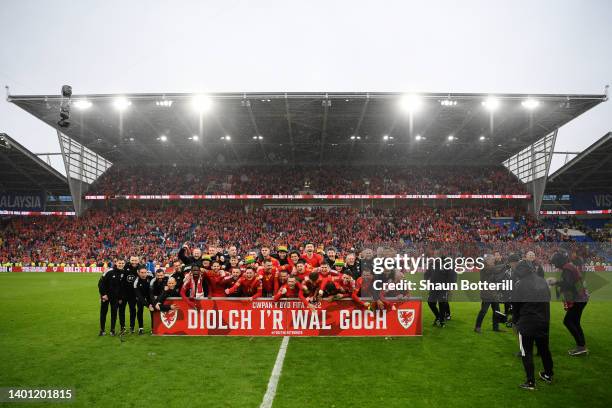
{"x": 231, "y": 279}
{"x": 291, "y": 289}
{"x": 346, "y": 286}
{"x": 265, "y": 256}
{"x": 268, "y": 274}
{"x": 300, "y": 271}
{"x": 281, "y": 279}
{"x": 192, "y": 286}
{"x": 249, "y": 285}
{"x": 364, "y": 288}
{"x": 215, "y": 278}
{"x": 313, "y": 259}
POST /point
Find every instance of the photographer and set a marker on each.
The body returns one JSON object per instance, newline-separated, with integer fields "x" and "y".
{"x": 531, "y": 305}
{"x": 575, "y": 297}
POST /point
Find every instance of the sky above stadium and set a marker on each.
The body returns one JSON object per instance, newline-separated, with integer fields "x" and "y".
{"x": 552, "y": 46}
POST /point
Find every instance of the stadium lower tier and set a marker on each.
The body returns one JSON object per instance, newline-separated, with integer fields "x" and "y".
{"x": 156, "y": 234}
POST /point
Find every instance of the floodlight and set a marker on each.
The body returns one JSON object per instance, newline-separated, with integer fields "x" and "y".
{"x": 419, "y": 137}
{"x": 163, "y": 138}
{"x": 451, "y": 138}
{"x": 82, "y": 104}
{"x": 491, "y": 103}
{"x": 411, "y": 103}
{"x": 481, "y": 138}
{"x": 195, "y": 138}
{"x": 121, "y": 103}
{"x": 201, "y": 103}
{"x": 530, "y": 103}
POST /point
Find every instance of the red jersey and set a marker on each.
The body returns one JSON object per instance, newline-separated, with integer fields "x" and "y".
{"x": 314, "y": 261}
{"x": 296, "y": 292}
{"x": 268, "y": 281}
{"x": 215, "y": 284}
{"x": 345, "y": 289}
{"x": 247, "y": 287}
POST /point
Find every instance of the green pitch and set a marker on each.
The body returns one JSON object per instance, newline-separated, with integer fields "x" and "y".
{"x": 48, "y": 338}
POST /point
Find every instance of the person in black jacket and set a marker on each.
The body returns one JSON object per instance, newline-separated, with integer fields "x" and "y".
{"x": 437, "y": 300}
{"x": 156, "y": 288}
{"x": 196, "y": 258}
{"x": 531, "y": 257}
{"x": 575, "y": 297}
{"x": 490, "y": 273}
{"x": 110, "y": 288}
{"x": 352, "y": 265}
{"x": 129, "y": 298}
{"x": 531, "y": 313}
{"x": 142, "y": 291}
{"x": 169, "y": 292}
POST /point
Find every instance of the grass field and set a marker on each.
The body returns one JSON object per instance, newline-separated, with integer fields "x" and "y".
{"x": 48, "y": 338}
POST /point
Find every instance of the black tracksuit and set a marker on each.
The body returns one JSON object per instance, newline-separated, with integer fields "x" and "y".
{"x": 531, "y": 314}
{"x": 156, "y": 288}
{"x": 110, "y": 284}
{"x": 437, "y": 300}
{"x": 178, "y": 276}
{"x": 165, "y": 295}
{"x": 354, "y": 270}
{"x": 129, "y": 298}
{"x": 489, "y": 297}
{"x": 142, "y": 292}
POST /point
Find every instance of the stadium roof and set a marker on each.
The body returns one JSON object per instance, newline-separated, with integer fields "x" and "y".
{"x": 23, "y": 171}
{"x": 310, "y": 128}
{"x": 589, "y": 171}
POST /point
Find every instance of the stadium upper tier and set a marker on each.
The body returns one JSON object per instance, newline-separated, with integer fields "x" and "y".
{"x": 148, "y": 179}
{"x": 157, "y": 233}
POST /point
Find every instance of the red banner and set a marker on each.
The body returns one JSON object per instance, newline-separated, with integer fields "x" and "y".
{"x": 309, "y": 197}
{"x": 76, "y": 269}
{"x": 576, "y": 212}
{"x": 265, "y": 317}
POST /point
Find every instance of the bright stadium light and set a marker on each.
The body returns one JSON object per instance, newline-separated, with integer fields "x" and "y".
{"x": 481, "y": 138}
{"x": 491, "y": 103}
{"x": 82, "y": 104}
{"x": 163, "y": 138}
{"x": 448, "y": 102}
{"x": 411, "y": 103}
{"x": 226, "y": 137}
{"x": 201, "y": 103}
{"x": 387, "y": 137}
{"x": 530, "y": 103}
{"x": 195, "y": 138}
{"x": 451, "y": 138}
{"x": 166, "y": 103}
{"x": 419, "y": 137}
{"x": 121, "y": 103}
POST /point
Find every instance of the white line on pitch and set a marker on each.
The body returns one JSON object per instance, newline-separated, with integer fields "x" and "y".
{"x": 268, "y": 398}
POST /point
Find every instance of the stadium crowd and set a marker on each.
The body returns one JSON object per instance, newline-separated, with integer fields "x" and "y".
{"x": 103, "y": 234}
{"x": 148, "y": 179}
